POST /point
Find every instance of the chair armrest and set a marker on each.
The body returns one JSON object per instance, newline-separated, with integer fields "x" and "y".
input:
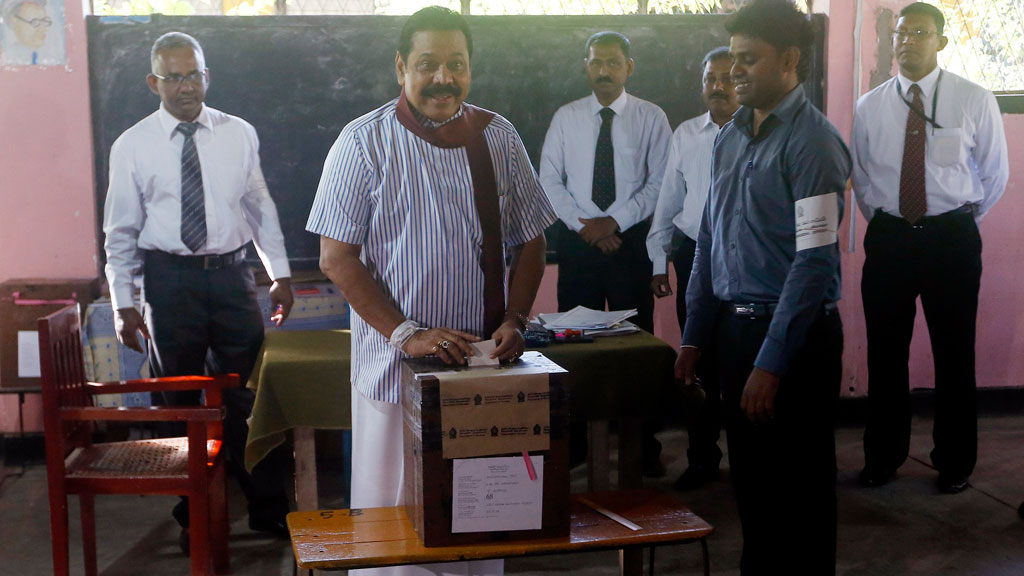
{"x": 152, "y": 414}
{"x": 167, "y": 384}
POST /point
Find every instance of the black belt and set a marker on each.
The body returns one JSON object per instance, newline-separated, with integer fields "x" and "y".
{"x": 924, "y": 221}
{"x": 766, "y": 309}
{"x": 200, "y": 262}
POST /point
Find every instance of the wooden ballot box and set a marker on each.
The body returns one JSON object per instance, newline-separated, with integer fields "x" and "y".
{"x": 468, "y": 432}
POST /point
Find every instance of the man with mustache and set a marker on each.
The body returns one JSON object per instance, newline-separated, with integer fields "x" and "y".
{"x": 930, "y": 161}
{"x": 762, "y": 296}
{"x": 186, "y": 195}
{"x": 601, "y": 166}
{"x": 418, "y": 205}
{"x": 674, "y": 228}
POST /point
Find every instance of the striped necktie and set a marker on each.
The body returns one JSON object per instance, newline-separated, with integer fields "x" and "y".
{"x": 193, "y": 207}
{"x": 913, "y": 202}
{"x": 603, "y": 192}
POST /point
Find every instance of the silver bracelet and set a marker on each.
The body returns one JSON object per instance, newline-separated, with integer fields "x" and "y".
{"x": 402, "y": 333}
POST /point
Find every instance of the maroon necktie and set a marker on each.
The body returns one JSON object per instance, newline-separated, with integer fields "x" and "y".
{"x": 913, "y": 203}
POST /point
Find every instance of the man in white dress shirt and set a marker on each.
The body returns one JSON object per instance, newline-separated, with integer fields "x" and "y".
{"x": 601, "y": 166}
{"x": 419, "y": 202}
{"x": 674, "y": 229}
{"x": 930, "y": 161}
{"x": 186, "y": 195}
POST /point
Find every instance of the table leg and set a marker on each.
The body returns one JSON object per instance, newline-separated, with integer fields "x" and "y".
{"x": 306, "y": 497}
{"x": 631, "y": 561}
{"x": 704, "y": 555}
{"x": 631, "y": 453}
{"x": 597, "y": 456}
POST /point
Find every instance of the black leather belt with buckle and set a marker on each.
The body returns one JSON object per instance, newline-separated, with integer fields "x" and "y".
{"x": 199, "y": 261}
{"x": 767, "y": 309}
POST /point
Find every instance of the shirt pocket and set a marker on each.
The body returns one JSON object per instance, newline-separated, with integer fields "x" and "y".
{"x": 633, "y": 164}
{"x": 947, "y": 148}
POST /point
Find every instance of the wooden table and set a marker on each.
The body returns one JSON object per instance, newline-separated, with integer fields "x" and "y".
{"x": 302, "y": 383}
{"x": 376, "y": 537}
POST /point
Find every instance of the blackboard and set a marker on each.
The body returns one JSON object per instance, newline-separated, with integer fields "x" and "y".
{"x": 300, "y": 79}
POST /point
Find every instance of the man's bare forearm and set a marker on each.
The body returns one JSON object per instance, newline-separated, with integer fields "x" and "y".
{"x": 340, "y": 262}
{"x": 528, "y": 261}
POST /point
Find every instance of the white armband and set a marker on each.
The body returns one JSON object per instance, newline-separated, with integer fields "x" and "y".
{"x": 402, "y": 333}
{"x": 817, "y": 221}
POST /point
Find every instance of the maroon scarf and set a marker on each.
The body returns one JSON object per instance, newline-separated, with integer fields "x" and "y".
{"x": 468, "y": 131}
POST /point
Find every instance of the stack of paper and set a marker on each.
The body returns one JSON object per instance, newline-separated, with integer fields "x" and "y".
{"x": 594, "y": 322}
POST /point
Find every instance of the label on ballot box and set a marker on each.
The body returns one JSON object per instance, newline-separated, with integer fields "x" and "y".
{"x": 494, "y": 494}
{"x": 488, "y": 415}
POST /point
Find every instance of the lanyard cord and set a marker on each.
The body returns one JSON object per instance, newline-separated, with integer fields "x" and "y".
{"x": 935, "y": 101}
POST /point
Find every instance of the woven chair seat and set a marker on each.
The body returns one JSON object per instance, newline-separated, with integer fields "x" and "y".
{"x": 158, "y": 458}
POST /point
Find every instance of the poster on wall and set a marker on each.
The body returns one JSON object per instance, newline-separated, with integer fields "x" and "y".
{"x": 32, "y": 33}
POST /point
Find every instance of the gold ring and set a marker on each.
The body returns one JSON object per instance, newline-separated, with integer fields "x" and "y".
{"x": 433, "y": 350}
{"x": 444, "y": 344}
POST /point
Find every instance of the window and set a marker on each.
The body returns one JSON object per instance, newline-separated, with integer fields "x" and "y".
{"x": 400, "y": 7}
{"x": 986, "y": 42}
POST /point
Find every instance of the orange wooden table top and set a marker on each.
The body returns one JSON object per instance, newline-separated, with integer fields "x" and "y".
{"x": 374, "y": 537}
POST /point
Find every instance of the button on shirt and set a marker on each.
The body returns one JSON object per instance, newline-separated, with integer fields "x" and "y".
{"x": 684, "y": 187}
{"x": 410, "y": 205}
{"x": 640, "y": 139}
{"x": 143, "y": 206}
{"x": 746, "y": 248}
{"x": 966, "y": 160}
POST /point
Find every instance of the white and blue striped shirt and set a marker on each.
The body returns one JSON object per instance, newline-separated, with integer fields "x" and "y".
{"x": 410, "y": 206}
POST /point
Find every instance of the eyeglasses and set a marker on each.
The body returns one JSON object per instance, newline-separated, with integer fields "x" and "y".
{"x": 194, "y": 78}
{"x": 904, "y": 35}
{"x": 36, "y": 22}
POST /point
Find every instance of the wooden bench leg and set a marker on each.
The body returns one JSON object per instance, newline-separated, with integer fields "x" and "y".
{"x": 704, "y": 554}
{"x": 650, "y": 567}
{"x": 631, "y": 561}
{"x": 306, "y": 497}
{"x": 597, "y": 456}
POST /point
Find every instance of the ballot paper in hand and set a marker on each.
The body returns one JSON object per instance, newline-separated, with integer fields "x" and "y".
{"x": 584, "y": 318}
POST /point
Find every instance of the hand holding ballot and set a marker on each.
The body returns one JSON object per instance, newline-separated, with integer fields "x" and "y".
{"x": 450, "y": 345}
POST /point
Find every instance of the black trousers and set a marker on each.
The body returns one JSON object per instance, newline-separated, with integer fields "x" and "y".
{"x": 704, "y": 424}
{"x": 940, "y": 261}
{"x": 588, "y": 277}
{"x": 784, "y": 471}
{"x": 208, "y": 321}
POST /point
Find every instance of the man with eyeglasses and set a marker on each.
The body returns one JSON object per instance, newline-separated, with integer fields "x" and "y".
{"x": 601, "y": 166}
{"x": 930, "y": 161}
{"x": 673, "y": 234}
{"x": 186, "y": 196}
{"x": 28, "y": 25}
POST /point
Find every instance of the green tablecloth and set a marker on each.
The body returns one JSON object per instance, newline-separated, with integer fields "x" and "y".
{"x": 301, "y": 379}
{"x": 616, "y": 376}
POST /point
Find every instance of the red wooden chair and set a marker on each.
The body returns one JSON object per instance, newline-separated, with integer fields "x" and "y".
{"x": 191, "y": 465}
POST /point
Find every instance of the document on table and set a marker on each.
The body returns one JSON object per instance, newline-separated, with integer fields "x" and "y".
{"x": 493, "y": 494}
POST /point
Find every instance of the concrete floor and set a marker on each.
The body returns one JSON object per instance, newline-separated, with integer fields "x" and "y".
{"x": 905, "y": 528}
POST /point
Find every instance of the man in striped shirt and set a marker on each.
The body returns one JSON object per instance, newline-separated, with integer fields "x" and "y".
{"x": 417, "y": 204}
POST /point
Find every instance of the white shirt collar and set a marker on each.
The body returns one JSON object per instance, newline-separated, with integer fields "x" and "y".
{"x": 170, "y": 124}
{"x": 927, "y": 83}
{"x": 618, "y": 106}
{"x": 708, "y": 122}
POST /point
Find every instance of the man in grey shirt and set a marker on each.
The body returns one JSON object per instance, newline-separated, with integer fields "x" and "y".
{"x": 763, "y": 293}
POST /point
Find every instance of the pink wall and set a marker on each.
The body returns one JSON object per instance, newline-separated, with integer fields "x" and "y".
{"x": 48, "y": 229}
{"x": 46, "y": 173}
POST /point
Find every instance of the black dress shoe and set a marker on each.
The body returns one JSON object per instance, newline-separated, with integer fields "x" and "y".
{"x": 871, "y": 477}
{"x": 274, "y": 526}
{"x": 695, "y": 477}
{"x": 952, "y": 483}
{"x": 1020, "y": 511}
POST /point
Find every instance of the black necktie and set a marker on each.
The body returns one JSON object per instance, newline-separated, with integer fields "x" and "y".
{"x": 193, "y": 207}
{"x": 913, "y": 203}
{"x": 603, "y": 192}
